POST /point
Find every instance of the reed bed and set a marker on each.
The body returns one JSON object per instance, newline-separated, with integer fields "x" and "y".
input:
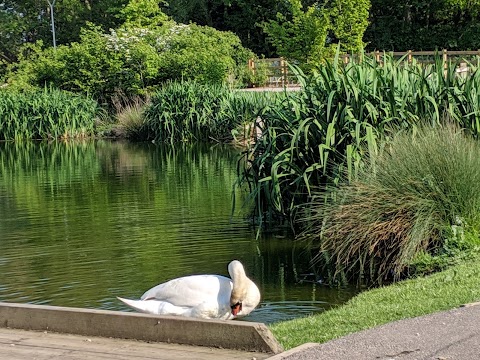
{"x": 190, "y": 111}
{"x": 46, "y": 114}
{"x": 344, "y": 112}
{"x": 416, "y": 199}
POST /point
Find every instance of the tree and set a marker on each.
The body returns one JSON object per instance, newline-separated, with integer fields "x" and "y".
{"x": 242, "y": 17}
{"x": 143, "y": 13}
{"x": 302, "y": 36}
{"x": 308, "y": 36}
{"x": 424, "y": 25}
{"x": 28, "y": 21}
{"x": 11, "y": 29}
{"x": 348, "y": 22}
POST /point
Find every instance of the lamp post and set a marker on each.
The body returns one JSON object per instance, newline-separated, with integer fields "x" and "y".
{"x": 52, "y": 4}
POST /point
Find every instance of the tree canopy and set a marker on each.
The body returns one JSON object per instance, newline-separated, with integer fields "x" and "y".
{"x": 308, "y": 34}
{"x": 424, "y": 25}
{"x": 304, "y": 30}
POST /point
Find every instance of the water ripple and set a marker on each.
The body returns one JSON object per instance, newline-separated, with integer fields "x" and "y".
{"x": 82, "y": 224}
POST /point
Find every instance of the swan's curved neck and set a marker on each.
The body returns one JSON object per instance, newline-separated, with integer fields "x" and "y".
{"x": 239, "y": 279}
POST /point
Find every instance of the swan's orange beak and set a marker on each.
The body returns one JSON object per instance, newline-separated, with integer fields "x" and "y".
{"x": 236, "y": 308}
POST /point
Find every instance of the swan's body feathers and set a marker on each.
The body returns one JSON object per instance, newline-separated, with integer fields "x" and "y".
{"x": 190, "y": 290}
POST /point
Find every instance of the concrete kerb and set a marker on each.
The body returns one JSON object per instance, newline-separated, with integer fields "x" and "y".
{"x": 294, "y": 351}
{"x": 237, "y": 335}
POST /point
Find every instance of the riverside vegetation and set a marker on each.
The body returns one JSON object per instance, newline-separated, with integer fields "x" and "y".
{"x": 374, "y": 165}
{"x": 316, "y": 148}
{"x": 46, "y": 114}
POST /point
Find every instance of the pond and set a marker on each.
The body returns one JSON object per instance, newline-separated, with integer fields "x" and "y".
{"x": 84, "y": 222}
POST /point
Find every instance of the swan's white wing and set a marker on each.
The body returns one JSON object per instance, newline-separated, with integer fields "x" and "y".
{"x": 191, "y": 291}
{"x": 155, "y": 307}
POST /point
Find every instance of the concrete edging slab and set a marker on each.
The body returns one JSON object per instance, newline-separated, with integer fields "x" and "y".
{"x": 247, "y": 336}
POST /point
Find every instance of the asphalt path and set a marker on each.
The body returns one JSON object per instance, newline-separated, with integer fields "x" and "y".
{"x": 448, "y": 335}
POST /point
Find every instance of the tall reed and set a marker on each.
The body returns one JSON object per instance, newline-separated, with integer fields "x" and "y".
{"x": 341, "y": 114}
{"x": 46, "y": 114}
{"x": 190, "y": 111}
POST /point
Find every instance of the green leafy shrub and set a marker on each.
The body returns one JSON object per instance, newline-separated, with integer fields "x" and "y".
{"x": 133, "y": 60}
{"x": 416, "y": 201}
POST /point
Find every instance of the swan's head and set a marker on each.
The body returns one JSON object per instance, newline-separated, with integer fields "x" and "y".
{"x": 245, "y": 295}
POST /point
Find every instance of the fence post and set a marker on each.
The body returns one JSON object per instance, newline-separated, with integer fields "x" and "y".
{"x": 377, "y": 56}
{"x": 345, "y": 59}
{"x": 445, "y": 61}
{"x": 409, "y": 56}
{"x": 251, "y": 67}
{"x": 284, "y": 71}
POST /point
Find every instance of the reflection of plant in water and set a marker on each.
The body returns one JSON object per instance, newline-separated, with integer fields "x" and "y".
{"x": 139, "y": 206}
{"x": 86, "y": 164}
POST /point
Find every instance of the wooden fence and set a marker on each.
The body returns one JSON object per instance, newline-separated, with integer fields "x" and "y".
{"x": 274, "y": 72}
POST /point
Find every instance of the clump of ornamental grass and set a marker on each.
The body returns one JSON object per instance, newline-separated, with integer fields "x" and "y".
{"x": 130, "y": 115}
{"x": 417, "y": 198}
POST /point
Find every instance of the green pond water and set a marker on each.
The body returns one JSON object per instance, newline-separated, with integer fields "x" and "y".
{"x": 84, "y": 222}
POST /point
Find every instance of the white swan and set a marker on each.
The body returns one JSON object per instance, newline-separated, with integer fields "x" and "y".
{"x": 202, "y": 296}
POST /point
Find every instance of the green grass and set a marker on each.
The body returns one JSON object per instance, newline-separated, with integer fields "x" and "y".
{"x": 448, "y": 289}
{"x": 129, "y": 114}
{"x": 189, "y": 112}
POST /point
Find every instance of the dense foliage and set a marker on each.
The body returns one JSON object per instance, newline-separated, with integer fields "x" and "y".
{"x": 301, "y": 30}
{"x": 132, "y": 60}
{"x": 47, "y": 114}
{"x": 301, "y": 38}
{"x": 392, "y": 25}
{"x": 243, "y": 17}
{"x": 190, "y": 111}
{"x": 307, "y": 34}
{"x": 424, "y": 25}
{"x": 343, "y": 112}
{"x": 29, "y": 20}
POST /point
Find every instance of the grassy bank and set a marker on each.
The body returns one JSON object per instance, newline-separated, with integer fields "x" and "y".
{"x": 448, "y": 289}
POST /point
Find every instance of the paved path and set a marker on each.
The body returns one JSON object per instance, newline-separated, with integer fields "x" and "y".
{"x": 38, "y": 345}
{"x": 43, "y": 332}
{"x": 448, "y": 335}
